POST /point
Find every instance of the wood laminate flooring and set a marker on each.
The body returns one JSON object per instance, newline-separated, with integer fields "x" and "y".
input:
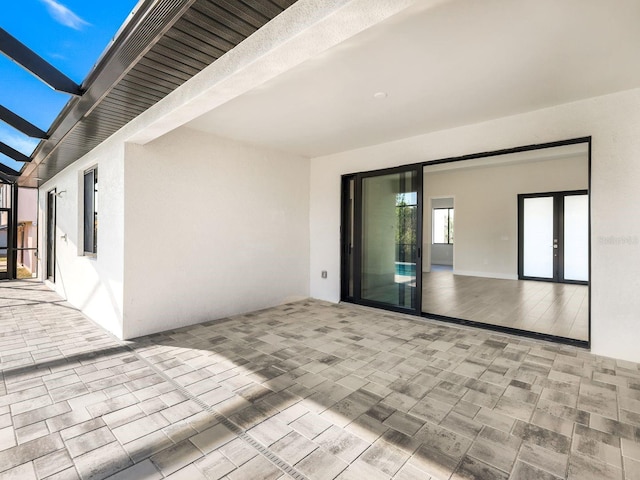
{"x": 542, "y": 307}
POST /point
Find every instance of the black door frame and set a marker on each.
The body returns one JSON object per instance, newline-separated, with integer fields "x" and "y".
{"x": 347, "y": 223}
{"x": 50, "y": 267}
{"x": 461, "y": 321}
{"x": 351, "y": 253}
{"x": 558, "y": 234}
{"x": 12, "y": 233}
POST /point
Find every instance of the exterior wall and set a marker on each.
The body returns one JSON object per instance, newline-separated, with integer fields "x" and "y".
{"x": 214, "y": 228}
{"x": 486, "y": 210}
{"x": 613, "y": 122}
{"x": 91, "y": 284}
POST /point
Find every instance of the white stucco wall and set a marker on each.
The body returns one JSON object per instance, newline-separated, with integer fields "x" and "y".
{"x": 612, "y": 120}
{"x": 92, "y": 284}
{"x": 213, "y": 228}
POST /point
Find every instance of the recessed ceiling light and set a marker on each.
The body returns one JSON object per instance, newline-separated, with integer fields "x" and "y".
{"x": 380, "y": 95}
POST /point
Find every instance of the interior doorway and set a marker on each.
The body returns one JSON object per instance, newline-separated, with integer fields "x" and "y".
{"x": 442, "y": 221}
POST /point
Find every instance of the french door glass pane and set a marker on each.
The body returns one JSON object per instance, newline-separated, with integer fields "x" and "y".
{"x": 389, "y": 239}
{"x": 538, "y": 237}
{"x": 576, "y": 237}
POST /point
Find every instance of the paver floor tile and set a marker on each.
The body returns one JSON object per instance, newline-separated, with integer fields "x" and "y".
{"x": 330, "y": 391}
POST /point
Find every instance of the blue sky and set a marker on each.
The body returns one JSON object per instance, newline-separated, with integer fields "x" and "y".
{"x": 69, "y": 34}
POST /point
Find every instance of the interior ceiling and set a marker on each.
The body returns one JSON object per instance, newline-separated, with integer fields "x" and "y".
{"x": 459, "y": 63}
{"x": 575, "y": 150}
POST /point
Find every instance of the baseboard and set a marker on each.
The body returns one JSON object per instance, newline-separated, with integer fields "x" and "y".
{"x": 500, "y": 276}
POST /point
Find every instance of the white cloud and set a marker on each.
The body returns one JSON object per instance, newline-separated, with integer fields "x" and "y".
{"x": 63, "y": 15}
{"x": 20, "y": 142}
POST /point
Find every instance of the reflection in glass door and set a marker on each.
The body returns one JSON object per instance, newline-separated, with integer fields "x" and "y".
{"x": 554, "y": 236}
{"x": 5, "y": 233}
{"x": 382, "y": 243}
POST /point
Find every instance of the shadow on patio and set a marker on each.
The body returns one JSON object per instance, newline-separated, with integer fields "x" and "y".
{"x": 305, "y": 389}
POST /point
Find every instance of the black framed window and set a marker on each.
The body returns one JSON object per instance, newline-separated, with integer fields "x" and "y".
{"x": 442, "y": 226}
{"x": 91, "y": 211}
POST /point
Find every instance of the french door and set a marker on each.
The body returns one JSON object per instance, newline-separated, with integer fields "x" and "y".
{"x": 382, "y": 239}
{"x": 553, "y": 237}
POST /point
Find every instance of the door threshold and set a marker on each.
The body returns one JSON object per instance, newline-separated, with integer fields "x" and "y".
{"x": 510, "y": 330}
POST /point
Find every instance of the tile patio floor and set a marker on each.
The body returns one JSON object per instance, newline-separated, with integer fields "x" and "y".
{"x": 305, "y": 390}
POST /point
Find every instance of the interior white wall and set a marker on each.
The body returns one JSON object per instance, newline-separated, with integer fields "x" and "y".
{"x": 91, "y": 284}
{"x": 613, "y": 121}
{"x": 214, "y": 228}
{"x": 486, "y": 212}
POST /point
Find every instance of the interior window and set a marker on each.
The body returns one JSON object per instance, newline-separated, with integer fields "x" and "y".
{"x": 443, "y": 225}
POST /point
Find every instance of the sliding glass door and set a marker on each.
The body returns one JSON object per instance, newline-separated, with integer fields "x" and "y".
{"x": 382, "y": 238}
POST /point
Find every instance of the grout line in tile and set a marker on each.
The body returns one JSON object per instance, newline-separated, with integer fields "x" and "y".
{"x": 239, "y": 432}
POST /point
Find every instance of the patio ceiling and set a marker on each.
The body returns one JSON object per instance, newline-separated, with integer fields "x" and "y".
{"x": 163, "y": 45}
{"x": 432, "y": 66}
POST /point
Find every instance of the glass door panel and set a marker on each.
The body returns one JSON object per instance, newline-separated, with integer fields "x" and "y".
{"x": 390, "y": 240}
{"x": 51, "y": 236}
{"x": 538, "y": 251}
{"x": 351, "y": 230}
{"x": 576, "y": 237}
{"x": 348, "y": 239}
{"x": 4, "y": 241}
